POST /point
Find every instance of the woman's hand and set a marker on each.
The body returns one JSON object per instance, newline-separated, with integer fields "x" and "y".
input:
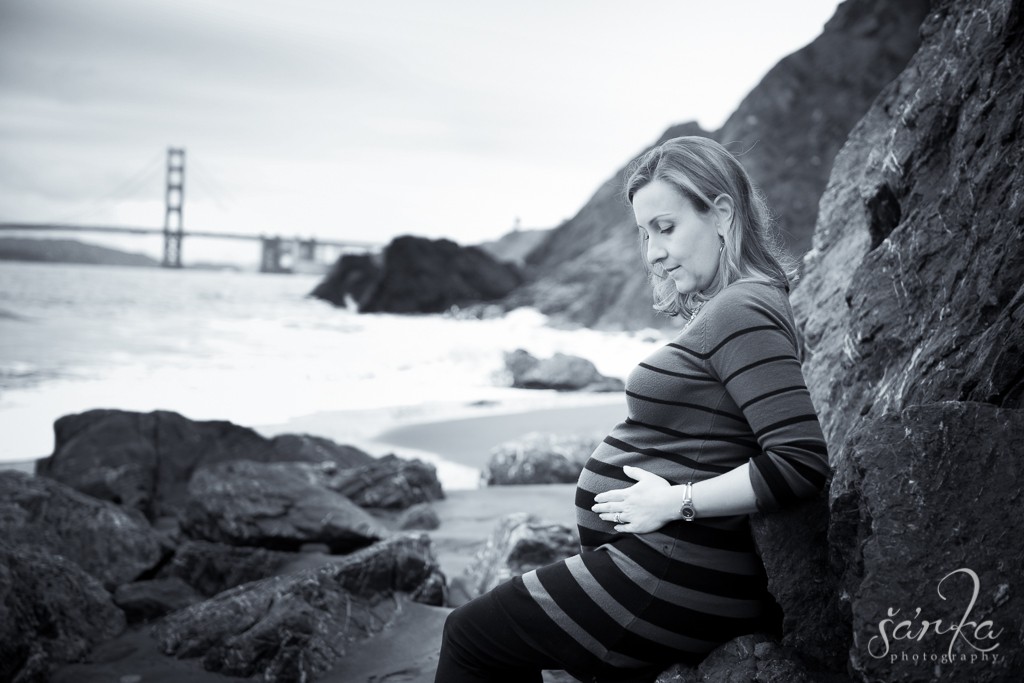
{"x": 644, "y": 507}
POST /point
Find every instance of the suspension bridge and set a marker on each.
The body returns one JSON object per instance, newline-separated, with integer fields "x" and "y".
{"x": 278, "y": 254}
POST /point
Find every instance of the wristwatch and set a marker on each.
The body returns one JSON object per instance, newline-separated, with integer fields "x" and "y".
{"x": 686, "y": 510}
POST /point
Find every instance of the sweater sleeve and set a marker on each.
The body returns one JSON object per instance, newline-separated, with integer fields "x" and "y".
{"x": 751, "y": 346}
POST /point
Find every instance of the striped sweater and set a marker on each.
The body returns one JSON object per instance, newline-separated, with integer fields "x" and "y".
{"x": 727, "y": 390}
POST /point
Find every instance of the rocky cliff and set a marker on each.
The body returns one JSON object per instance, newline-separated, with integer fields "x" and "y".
{"x": 912, "y": 308}
{"x": 786, "y": 131}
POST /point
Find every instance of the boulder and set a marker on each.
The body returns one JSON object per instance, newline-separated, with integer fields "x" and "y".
{"x": 938, "y": 503}
{"x": 297, "y": 626}
{"x": 746, "y": 659}
{"x": 153, "y": 598}
{"x": 519, "y": 543}
{"x": 352, "y": 279}
{"x": 145, "y": 460}
{"x": 275, "y": 506}
{"x": 419, "y": 516}
{"x": 214, "y": 567}
{"x": 113, "y": 544}
{"x": 561, "y": 372}
{"x": 317, "y": 449}
{"x": 51, "y": 612}
{"x": 539, "y": 458}
{"x": 911, "y": 308}
{"x": 385, "y": 483}
{"x": 419, "y": 275}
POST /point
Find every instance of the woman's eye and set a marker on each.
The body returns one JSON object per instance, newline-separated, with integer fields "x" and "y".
{"x": 665, "y": 229}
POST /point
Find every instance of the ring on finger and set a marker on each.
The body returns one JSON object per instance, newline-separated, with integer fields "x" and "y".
{"x": 618, "y": 520}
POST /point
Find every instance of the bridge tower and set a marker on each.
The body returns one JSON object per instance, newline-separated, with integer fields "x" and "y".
{"x": 174, "y": 225}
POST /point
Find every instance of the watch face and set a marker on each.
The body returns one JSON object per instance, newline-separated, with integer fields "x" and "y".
{"x": 688, "y": 512}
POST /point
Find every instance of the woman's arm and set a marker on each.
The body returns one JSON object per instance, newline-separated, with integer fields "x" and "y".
{"x": 652, "y": 502}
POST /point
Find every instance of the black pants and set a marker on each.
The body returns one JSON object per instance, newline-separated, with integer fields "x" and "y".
{"x": 481, "y": 646}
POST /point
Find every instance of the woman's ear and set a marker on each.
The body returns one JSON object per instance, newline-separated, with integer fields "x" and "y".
{"x": 724, "y": 209}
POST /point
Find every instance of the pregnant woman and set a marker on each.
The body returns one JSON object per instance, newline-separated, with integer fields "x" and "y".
{"x": 720, "y": 425}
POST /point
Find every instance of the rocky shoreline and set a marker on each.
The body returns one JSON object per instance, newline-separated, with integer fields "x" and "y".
{"x": 153, "y": 547}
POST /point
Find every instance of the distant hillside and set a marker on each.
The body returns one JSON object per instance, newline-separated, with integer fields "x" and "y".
{"x": 786, "y": 132}
{"x": 68, "y": 251}
{"x": 513, "y": 247}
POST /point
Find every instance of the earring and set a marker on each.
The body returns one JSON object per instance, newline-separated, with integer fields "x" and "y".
{"x": 721, "y": 246}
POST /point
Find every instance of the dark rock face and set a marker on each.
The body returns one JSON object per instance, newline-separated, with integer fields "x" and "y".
{"x": 420, "y": 275}
{"x": 786, "y": 131}
{"x": 744, "y": 660}
{"x": 386, "y": 483}
{"x": 214, "y": 567}
{"x": 153, "y": 598}
{"x": 297, "y": 626}
{"x": 352, "y": 277}
{"x": 911, "y": 309}
{"x": 539, "y": 458}
{"x": 561, "y": 372}
{"x": 145, "y": 460}
{"x": 275, "y": 506}
{"x": 51, "y": 612}
{"x": 520, "y": 543}
{"x": 112, "y": 544}
{"x": 915, "y": 532}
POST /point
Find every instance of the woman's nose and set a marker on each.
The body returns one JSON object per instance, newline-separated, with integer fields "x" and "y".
{"x": 655, "y": 252}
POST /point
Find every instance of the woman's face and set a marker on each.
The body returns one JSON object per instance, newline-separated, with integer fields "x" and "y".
{"x": 682, "y": 243}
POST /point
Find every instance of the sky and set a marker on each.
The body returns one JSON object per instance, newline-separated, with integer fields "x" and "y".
{"x": 360, "y": 120}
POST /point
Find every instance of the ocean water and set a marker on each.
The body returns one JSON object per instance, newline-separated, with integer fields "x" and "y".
{"x": 255, "y": 350}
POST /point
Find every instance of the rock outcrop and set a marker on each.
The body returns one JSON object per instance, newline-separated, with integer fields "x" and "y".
{"x": 297, "y": 626}
{"x": 153, "y": 598}
{"x": 560, "y": 372}
{"x": 385, "y": 483}
{"x": 145, "y": 460}
{"x": 911, "y": 309}
{"x": 51, "y": 612}
{"x": 419, "y": 275}
{"x": 786, "y": 132}
{"x": 520, "y": 543}
{"x": 539, "y": 458}
{"x": 275, "y": 506}
{"x": 214, "y": 567}
{"x": 112, "y": 544}
{"x": 352, "y": 280}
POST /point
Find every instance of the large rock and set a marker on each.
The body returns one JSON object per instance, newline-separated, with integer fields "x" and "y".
{"x": 939, "y": 501}
{"x": 539, "y": 458}
{"x": 911, "y": 309}
{"x": 561, "y": 372}
{"x": 385, "y": 483}
{"x": 152, "y": 598}
{"x": 786, "y": 131}
{"x": 420, "y": 275}
{"x": 51, "y": 612}
{"x": 113, "y": 544}
{"x": 747, "y": 659}
{"x": 145, "y": 460}
{"x": 352, "y": 280}
{"x": 294, "y": 627}
{"x": 519, "y": 543}
{"x": 214, "y": 567}
{"x": 275, "y": 506}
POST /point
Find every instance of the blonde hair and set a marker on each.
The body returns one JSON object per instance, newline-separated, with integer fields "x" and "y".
{"x": 701, "y": 170}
